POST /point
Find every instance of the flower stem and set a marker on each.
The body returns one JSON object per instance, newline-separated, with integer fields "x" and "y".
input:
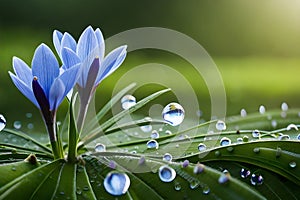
{"x": 73, "y": 136}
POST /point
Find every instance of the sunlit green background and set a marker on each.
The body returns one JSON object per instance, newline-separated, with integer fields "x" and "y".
{"x": 255, "y": 44}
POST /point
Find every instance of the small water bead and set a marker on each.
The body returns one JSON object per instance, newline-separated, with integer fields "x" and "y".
{"x": 256, "y": 150}
{"x": 245, "y": 173}
{"x": 185, "y": 163}
{"x": 245, "y": 138}
{"x": 284, "y": 106}
{"x": 298, "y": 137}
{"x": 243, "y": 113}
{"x": 2, "y": 122}
{"x": 201, "y": 147}
{"x": 128, "y": 101}
{"x": 177, "y": 186}
{"x": 167, "y": 157}
{"x": 239, "y": 140}
{"x": 152, "y": 144}
{"x": 146, "y": 128}
{"x": 100, "y": 147}
{"x": 220, "y": 125}
{"x": 166, "y": 173}
{"x": 292, "y": 164}
{"x": 283, "y": 114}
{"x": 30, "y": 126}
{"x": 274, "y": 123}
{"x": 225, "y": 141}
{"x": 291, "y": 126}
{"x": 168, "y": 132}
{"x": 199, "y": 113}
{"x": 28, "y": 115}
{"x": 256, "y": 179}
{"x": 262, "y": 109}
{"x": 224, "y": 178}
{"x": 194, "y": 184}
{"x": 205, "y": 190}
{"x": 116, "y": 183}
{"x": 284, "y": 137}
{"x": 173, "y": 113}
{"x": 17, "y": 124}
{"x": 154, "y": 134}
{"x": 256, "y": 133}
{"x": 199, "y": 168}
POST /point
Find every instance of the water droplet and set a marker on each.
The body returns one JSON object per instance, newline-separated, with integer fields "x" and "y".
{"x": 78, "y": 191}
{"x": 166, "y": 173}
{"x": 112, "y": 164}
{"x": 217, "y": 153}
{"x": 291, "y": 126}
{"x": 256, "y": 179}
{"x": 194, "y": 184}
{"x": 173, "y": 113}
{"x": 284, "y": 137}
{"x": 154, "y": 134}
{"x": 239, "y": 140}
{"x": 100, "y": 147}
{"x": 274, "y": 123}
{"x": 225, "y": 141}
{"x": 199, "y": 113}
{"x": 128, "y": 101}
{"x": 146, "y": 128}
{"x": 292, "y": 164}
{"x": 230, "y": 149}
{"x": 2, "y": 122}
{"x": 142, "y": 160}
{"x": 243, "y": 113}
{"x": 30, "y": 126}
{"x": 205, "y": 190}
{"x": 284, "y": 106}
{"x": 185, "y": 163}
{"x": 256, "y": 133}
{"x": 177, "y": 186}
{"x": 116, "y": 183}
{"x": 13, "y": 168}
{"x": 168, "y": 132}
{"x": 28, "y": 115}
{"x": 283, "y": 114}
{"x": 224, "y": 178}
{"x": 201, "y": 147}
{"x": 152, "y": 144}
{"x": 262, "y": 109}
{"x": 17, "y": 125}
{"x": 198, "y": 168}
{"x": 220, "y": 125}
{"x": 298, "y": 137}
{"x": 245, "y": 138}
{"x": 245, "y": 173}
{"x": 167, "y": 157}
{"x": 256, "y": 150}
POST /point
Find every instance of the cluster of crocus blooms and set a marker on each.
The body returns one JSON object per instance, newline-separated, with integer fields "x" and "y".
{"x": 84, "y": 65}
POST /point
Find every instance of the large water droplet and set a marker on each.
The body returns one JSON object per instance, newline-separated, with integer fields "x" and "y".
{"x": 225, "y": 141}
{"x": 256, "y": 179}
{"x": 284, "y": 106}
{"x": 173, "y": 113}
{"x": 154, "y": 134}
{"x": 152, "y": 144}
{"x": 100, "y": 147}
{"x": 262, "y": 109}
{"x": 116, "y": 183}
{"x": 256, "y": 133}
{"x": 243, "y": 113}
{"x": 292, "y": 164}
{"x": 166, "y": 173}
{"x": 201, "y": 147}
{"x": 2, "y": 122}
{"x": 167, "y": 157}
{"x": 128, "y": 101}
{"x": 17, "y": 124}
{"x": 220, "y": 125}
{"x": 291, "y": 126}
{"x": 245, "y": 173}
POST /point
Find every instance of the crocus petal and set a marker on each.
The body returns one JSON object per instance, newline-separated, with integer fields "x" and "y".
{"x": 45, "y": 67}
{"x": 69, "y": 78}
{"x": 22, "y": 71}
{"x": 56, "y": 94}
{"x": 86, "y": 43}
{"x": 24, "y": 89}
{"x": 69, "y": 58}
{"x": 101, "y": 43}
{"x": 111, "y": 62}
{"x": 69, "y": 42}
{"x": 57, "y": 37}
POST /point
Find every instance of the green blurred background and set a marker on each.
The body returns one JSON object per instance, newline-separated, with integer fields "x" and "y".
{"x": 255, "y": 44}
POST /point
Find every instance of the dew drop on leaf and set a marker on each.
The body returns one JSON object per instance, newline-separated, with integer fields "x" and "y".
{"x": 100, "y": 147}
{"x": 173, "y": 113}
{"x": 128, "y": 101}
{"x": 30, "y": 126}
{"x": 185, "y": 163}
{"x": 284, "y": 137}
{"x": 201, "y": 147}
{"x": 256, "y": 133}
{"x": 298, "y": 137}
{"x": 243, "y": 113}
{"x": 154, "y": 134}
{"x": 274, "y": 123}
{"x": 245, "y": 138}
{"x": 198, "y": 168}
{"x": 220, "y": 125}
{"x": 152, "y": 144}
{"x": 2, "y": 122}
{"x": 146, "y": 128}
{"x": 116, "y": 183}
{"x": 291, "y": 126}
{"x": 194, "y": 184}
{"x": 17, "y": 124}
{"x": 168, "y": 132}
{"x": 224, "y": 178}
{"x": 225, "y": 141}
{"x": 166, "y": 173}
{"x": 239, "y": 140}
{"x": 28, "y": 115}
{"x": 292, "y": 164}
{"x": 245, "y": 173}
{"x": 256, "y": 179}
{"x": 205, "y": 190}
{"x": 284, "y": 106}
{"x": 177, "y": 186}
{"x": 167, "y": 157}
{"x": 262, "y": 109}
